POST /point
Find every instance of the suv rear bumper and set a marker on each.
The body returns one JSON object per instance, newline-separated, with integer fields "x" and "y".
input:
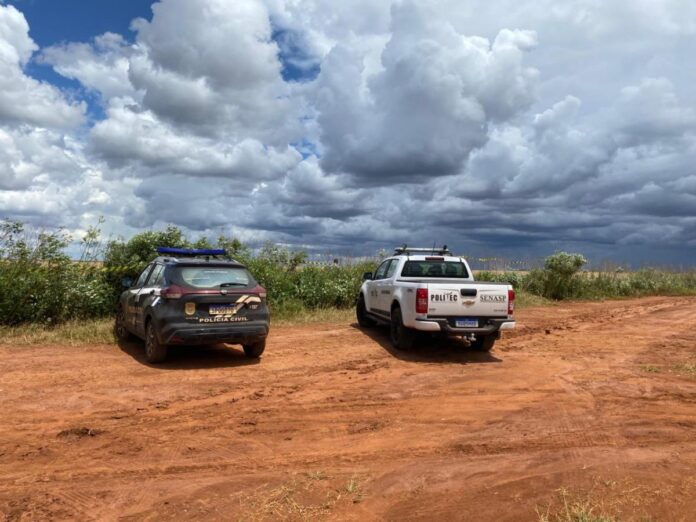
{"x": 186, "y": 333}
{"x": 442, "y": 324}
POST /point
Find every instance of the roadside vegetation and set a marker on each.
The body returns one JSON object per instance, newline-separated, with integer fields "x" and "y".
{"x": 41, "y": 285}
{"x": 562, "y": 278}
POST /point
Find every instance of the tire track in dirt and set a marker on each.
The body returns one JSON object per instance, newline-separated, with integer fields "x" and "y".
{"x": 562, "y": 399}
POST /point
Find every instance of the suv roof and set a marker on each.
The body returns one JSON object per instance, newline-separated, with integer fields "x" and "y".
{"x": 197, "y": 261}
{"x": 197, "y": 256}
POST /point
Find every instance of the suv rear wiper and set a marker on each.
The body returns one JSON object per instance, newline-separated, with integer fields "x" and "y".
{"x": 222, "y": 285}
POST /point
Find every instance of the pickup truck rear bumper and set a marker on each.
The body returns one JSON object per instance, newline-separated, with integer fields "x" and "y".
{"x": 442, "y": 324}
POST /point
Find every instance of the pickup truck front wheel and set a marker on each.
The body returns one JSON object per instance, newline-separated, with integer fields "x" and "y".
{"x": 401, "y": 337}
{"x": 361, "y": 312}
{"x": 483, "y": 343}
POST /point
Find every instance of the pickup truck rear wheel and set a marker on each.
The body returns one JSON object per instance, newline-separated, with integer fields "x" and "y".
{"x": 401, "y": 337}
{"x": 155, "y": 352}
{"x": 364, "y": 320}
{"x": 254, "y": 351}
{"x": 483, "y": 343}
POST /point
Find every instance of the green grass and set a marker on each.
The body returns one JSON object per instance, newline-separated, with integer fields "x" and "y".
{"x": 294, "y": 316}
{"x": 526, "y": 300}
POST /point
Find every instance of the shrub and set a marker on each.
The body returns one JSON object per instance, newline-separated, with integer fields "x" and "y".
{"x": 559, "y": 277}
{"x": 40, "y": 283}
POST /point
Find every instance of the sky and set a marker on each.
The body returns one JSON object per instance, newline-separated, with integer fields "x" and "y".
{"x": 499, "y": 127}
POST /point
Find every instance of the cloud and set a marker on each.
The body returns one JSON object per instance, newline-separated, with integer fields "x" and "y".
{"x": 23, "y": 99}
{"x": 504, "y": 127}
{"x": 430, "y": 104}
{"x": 101, "y": 66}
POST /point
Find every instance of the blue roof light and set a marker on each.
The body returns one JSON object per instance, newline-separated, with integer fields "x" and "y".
{"x": 191, "y": 251}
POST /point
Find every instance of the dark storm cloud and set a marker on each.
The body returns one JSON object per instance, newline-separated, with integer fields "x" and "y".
{"x": 491, "y": 125}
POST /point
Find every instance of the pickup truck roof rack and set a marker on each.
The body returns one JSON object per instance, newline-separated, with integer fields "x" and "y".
{"x": 444, "y": 251}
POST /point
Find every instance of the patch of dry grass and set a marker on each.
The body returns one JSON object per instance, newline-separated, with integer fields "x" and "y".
{"x": 71, "y": 333}
{"x": 572, "y": 508}
{"x": 688, "y": 368}
{"x": 307, "y": 496}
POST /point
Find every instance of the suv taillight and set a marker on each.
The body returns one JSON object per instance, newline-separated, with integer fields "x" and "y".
{"x": 422, "y": 301}
{"x": 511, "y": 302}
{"x": 172, "y": 292}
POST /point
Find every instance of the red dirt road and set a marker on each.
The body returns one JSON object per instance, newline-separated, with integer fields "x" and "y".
{"x": 599, "y": 399}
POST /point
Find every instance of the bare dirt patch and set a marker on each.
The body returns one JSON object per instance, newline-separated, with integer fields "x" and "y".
{"x": 593, "y": 404}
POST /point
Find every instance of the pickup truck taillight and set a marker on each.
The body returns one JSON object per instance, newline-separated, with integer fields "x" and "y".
{"x": 422, "y": 301}
{"x": 511, "y": 302}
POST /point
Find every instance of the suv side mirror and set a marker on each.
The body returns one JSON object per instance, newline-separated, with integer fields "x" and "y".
{"x": 367, "y": 276}
{"x": 126, "y": 282}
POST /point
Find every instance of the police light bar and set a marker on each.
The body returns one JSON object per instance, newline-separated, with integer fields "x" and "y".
{"x": 191, "y": 251}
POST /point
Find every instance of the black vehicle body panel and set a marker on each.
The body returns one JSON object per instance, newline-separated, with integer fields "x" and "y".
{"x": 188, "y": 319}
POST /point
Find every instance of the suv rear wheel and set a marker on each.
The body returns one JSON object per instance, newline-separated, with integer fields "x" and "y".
{"x": 254, "y": 350}
{"x": 401, "y": 337}
{"x": 155, "y": 352}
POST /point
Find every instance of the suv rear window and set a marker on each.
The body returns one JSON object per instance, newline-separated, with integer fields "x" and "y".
{"x": 435, "y": 268}
{"x": 212, "y": 276}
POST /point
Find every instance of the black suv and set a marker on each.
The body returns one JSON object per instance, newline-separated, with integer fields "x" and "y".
{"x": 193, "y": 297}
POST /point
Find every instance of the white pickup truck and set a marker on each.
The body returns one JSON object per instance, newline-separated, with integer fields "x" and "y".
{"x": 432, "y": 291}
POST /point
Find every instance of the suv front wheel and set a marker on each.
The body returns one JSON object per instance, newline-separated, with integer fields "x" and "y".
{"x": 120, "y": 330}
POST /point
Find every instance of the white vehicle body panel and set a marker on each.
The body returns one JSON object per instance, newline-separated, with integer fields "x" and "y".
{"x": 455, "y": 301}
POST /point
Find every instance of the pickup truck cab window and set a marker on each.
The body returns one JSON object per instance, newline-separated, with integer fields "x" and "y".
{"x": 435, "y": 268}
{"x": 381, "y": 271}
{"x": 391, "y": 269}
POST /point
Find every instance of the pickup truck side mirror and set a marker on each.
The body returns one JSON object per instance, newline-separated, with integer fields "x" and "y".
{"x": 367, "y": 276}
{"x": 126, "y": 282}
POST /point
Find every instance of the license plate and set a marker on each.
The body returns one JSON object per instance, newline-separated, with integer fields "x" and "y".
{"x": 221, "y": 309}
{"x": 466, "y": 323}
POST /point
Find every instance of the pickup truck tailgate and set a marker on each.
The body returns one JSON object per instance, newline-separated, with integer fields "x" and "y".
{"x": 467, "y": 300}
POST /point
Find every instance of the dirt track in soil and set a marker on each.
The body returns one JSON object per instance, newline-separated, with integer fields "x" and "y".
{"x": 333, "y": 423}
